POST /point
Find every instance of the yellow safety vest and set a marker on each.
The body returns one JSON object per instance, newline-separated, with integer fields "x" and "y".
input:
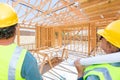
{"x": 11, "y": 60}
{"x": 103, "y": 71}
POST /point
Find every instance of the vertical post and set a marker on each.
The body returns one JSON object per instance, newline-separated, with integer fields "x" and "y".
{"x": 60, "y": 38}
{"x": 53, "y": 37}
{"x": 37, "y": 37}
{"x": 18, "y": 35}
{"x": 93, "y": 37}
{"x": 47, "y": 36}
{"x": 89, "y": 39}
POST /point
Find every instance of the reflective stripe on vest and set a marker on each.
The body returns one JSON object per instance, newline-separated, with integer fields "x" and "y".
{"x": 104, "y": 71}
{"x": 13, "y": 63}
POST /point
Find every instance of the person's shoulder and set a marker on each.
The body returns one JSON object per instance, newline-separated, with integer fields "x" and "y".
{"x": 29, "y": 57}
{"x": 30, "y": 70}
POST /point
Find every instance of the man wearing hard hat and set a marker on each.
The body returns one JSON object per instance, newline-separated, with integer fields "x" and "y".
{"x": 110, "y": 43}
{"x": 15, "y": 63}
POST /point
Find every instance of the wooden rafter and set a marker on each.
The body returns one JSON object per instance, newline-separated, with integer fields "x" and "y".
{"x": 65, "y": 12}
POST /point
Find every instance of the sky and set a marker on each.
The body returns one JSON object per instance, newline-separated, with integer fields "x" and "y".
{"x": 31, "y": 14}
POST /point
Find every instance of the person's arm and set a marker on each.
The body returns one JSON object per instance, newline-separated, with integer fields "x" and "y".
{"x": 108, "y": 58}
{"x": 100, "y": 59}
{"x": 30, "y": 69}
{"x": 79, "y": 68}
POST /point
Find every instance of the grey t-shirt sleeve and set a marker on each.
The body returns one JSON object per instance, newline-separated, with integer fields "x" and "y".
{"x": 30, "y": 70}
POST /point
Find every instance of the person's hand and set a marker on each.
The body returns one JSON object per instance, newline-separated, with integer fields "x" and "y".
{"x": 79, "y": 67}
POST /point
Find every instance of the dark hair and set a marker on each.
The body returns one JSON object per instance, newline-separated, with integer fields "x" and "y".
{"x": 7, "y": 32}
{"x": 100, "y": 37}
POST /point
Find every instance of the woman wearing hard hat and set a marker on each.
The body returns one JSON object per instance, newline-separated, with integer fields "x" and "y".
{"x": 15, "y": 63}
{"x": 110, "y": 43}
